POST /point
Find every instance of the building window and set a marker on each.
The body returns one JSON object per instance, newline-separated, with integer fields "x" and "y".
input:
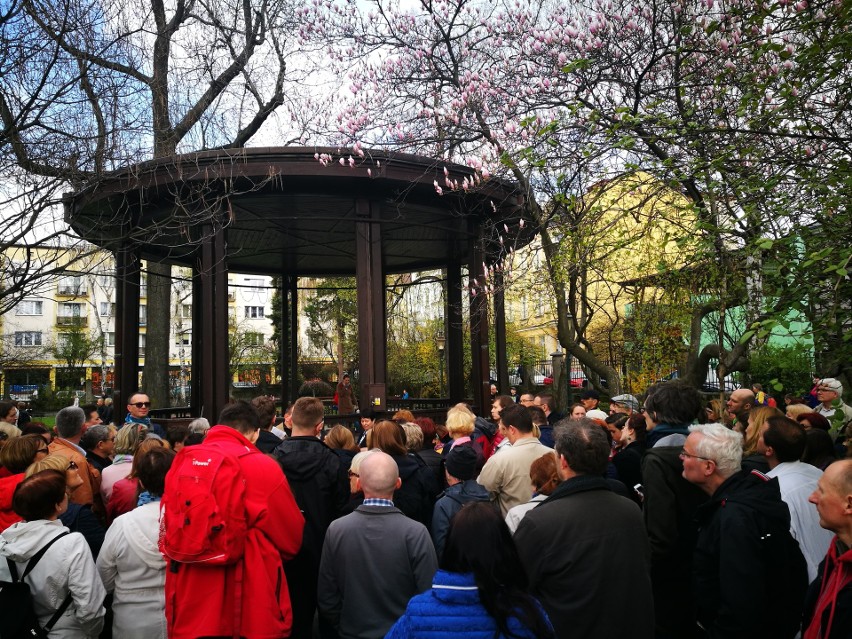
{"x": 106, "y": 281}
{"x": 254, "y": 284}
{"x": 186, "y": 311}
{"x": 524, "y": 312}
{"x": 29, "y": 307}
{"x": 72, "y": 285}
{"x": 142, "y": 344}
{"x": 110, "y": 339}
{"x": 143, "y": 315}
{"x": 143, "y": 286}
{"x": 107, "y": 309}
{"x": 254, "y": 339}
{"x": 539, "y": 305}
{"x": 27, "y": 338}
{"x": 254, "y": 312}
{"x": 183, "y": 339}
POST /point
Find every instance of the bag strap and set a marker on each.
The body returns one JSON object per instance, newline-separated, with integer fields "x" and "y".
{"x": 36, "y": 557}
{"x": 59, "y": 612}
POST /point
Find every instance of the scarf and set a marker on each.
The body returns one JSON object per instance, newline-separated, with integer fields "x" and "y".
{"x": 145, "y": 421}
{"x": 146, "y": 498}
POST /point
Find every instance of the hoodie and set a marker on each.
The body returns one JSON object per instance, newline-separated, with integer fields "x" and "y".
{"x": 7, "y": 489}
{"x": 749, "y": 573}
{"x": 67, "y": 566}
{"x": 828, "y": 609}
{"x": 416, "y": 496}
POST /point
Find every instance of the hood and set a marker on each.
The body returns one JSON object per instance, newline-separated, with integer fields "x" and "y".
{"x": 455, "y": 588}
{"x": 19, "y": 542}
{"x": 408, "y": 466}
{"x": 754, "y": 490}
{"x": 304, "y": 457}
{"x": 7, "y": 489}
{"x": 143, "y": 535}
{"x": 486, "y": 427}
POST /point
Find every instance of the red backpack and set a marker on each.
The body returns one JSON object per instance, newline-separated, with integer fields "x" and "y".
{"x": 203, "y": 507}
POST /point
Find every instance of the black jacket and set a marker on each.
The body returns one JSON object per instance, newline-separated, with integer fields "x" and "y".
{"x": 669, "y": 511}
{"x": 576, "y": 545}
{"x": 319, "y": 483}
{"x": 750, "y": 576}
{"x": 267, "y": 441}
{"x": 416, "y": 497}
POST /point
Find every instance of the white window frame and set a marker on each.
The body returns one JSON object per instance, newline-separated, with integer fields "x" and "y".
{"x": 33, "y": 337}
{"x": 24, "y": 305}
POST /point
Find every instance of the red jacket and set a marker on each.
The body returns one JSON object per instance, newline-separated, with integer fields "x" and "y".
{"x": 830, "y": 612}
{"x": 7, "y": 489}
{"x": 201, "y": 600}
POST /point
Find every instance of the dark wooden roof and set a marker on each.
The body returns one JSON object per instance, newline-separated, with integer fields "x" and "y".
{"x": 285, "y": 211}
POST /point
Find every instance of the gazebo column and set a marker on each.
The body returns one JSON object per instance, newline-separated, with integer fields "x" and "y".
{"x": 370, "y": 279}
{"x": 288, "y": 329}
{"x": 455, "y": 334}
{"x": 210, "y": 363}
{"x": 480, "y": 382}
{"x": 501, "y": 355}
{"x": 127, "y": 271}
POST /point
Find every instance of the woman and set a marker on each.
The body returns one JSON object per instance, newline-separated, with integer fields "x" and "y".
{"x": 416, "y": 496}
{"x": 544, "y": 479}
{"x": 813, "y": 420}
{"x": 757, "y": 417}
{"x": 9, "y": 420}
{"x": 125, "y": 492}
{"x": 341, "y": 440}
{"x": 628, "y": 462}
{"x": 578, "y": 411}
{"x": 66, "y": 572}
{"x": 460, "y": 425}
{"x": 127, "y": 440}
{"x": 819, "y": 449}
{"x": 15, "y": 456}
{"x": 427, "y": 452}
{"x": 717, "y": 413}
{"x": 614, "y": 424}
{"x": 356, "y": 497}
{"x": 480, "y": 590}
{"x": 77, "y": 518}
{"x": 794, "y": 410}
{"x": 130, "y": 563}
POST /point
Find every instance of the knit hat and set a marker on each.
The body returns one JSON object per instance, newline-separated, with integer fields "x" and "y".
{"x": 831, "y": 384}
{"x": 626, "y": 400}
{"x": 596, "y": 413}
{"x": 461, "y": 462}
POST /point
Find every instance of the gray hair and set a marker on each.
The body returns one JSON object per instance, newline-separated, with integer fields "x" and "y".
{"x": 355, "y": 467}
{"x": 721, "y": 444}
{"x": 413, "y": 437}
{"x": 69, "y": 421}
{"x": 200, "y": 425}
{"x": 584, "y": 445}
{"x": 94, "y": 435}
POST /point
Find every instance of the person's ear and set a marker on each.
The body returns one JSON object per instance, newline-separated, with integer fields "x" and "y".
{"x": 358, "y": 488}
{"x": 398, "y": 483}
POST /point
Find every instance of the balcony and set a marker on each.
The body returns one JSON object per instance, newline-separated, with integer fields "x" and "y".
{"x": 71, "y": 291}
{"x": 72, "y": 320}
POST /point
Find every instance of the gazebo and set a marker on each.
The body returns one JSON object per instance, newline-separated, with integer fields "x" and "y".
{"x": 296, "y": 211}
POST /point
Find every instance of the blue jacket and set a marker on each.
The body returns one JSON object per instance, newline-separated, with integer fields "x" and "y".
{"x": 450, "y": 502}
{"x": 451, "y": 608}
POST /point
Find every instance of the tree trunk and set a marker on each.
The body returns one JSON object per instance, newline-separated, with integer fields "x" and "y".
{"x": 155, "y": 375}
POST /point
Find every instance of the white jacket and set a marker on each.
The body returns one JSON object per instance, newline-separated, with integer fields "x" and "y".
{"x": 132, "y": 567}
{"x": 66, "y": 567}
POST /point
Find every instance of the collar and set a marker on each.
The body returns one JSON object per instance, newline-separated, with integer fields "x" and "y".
{"x": 72, "y": 445}
{"x": 525, "y": 441}
{"x": 578, "y": 484}
{"x": 460, "y": 440}
{"x": 377, "y": 501}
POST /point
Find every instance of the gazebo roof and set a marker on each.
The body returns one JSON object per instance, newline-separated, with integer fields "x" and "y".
{"x": 287, "y": 211}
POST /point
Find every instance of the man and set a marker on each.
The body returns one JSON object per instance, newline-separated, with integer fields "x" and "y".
{"x": 669, "y": 506}
{"x": 460, "y": 473}
{"x": 266, "y": 440}
{"x": 749, "y": 574}
{"x": 545, "y": 401}
{"x": 739, "y": 405}
{"x": 583, "y": 539}
{"x": 93, "y": 418}
{"x": 782, "y": 443}
{"x": 69, "y": 430}
{"x": 832, "y": 407}
{"x": 345, "y": 396}
{"x": 625, "y": 404}
{"x": 527, "y": 399}
{"x": 248, "y": 598}
{"x": 590, "y": 399}
{"x": 374, "y": 559}
{"x": 506, "y": 476}
{"x": 828, "y": 607}
{"x": 99, "y": 444}
{"x": 319, "y": 481}
{"x": 368, "y": 419}
{"x": 137, "y": 413}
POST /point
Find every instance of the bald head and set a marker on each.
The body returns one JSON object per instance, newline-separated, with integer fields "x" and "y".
{"x": 379, "y": 475}
{"x": 839, "y": 476}
{"x": 740, "y": 403}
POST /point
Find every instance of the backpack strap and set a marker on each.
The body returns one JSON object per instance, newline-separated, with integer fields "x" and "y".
{"x": 59, "y": 612}
{"x": 13, "y": 570}
{"x": 37, "y": 557}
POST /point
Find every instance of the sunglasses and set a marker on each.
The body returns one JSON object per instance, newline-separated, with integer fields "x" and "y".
{"x": 46, "y": 451}
{"x": 142, "y": 404}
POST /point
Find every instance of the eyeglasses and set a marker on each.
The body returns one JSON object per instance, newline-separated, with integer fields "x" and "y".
{"x": 684, "y": 453}
{"x": 46, "y": 451}
{"x": 72, "y": 465}
{"x": 352, "y": 474}
{"x": 142, "y": 404}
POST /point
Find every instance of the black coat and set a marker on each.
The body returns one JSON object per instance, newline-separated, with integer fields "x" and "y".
{"x": 669, "y": 510}
{"x": 576, "y": 545}
{"x": 750, "y": 576}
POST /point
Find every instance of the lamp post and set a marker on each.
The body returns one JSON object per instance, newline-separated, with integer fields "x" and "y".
{"x": 441, "y": 342}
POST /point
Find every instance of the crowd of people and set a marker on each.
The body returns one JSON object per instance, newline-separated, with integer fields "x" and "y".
{"x": 669, "y": 516}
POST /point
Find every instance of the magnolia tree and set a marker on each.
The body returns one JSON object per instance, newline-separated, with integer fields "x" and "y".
{"x": 741, "y": 107}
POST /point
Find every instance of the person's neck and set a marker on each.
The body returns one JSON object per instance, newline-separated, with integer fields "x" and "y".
{"x": 99, "y": 453}
{"x": 304, "y": 432}
{"x": 712, "y": 484}
{"x": 827, "y": 404}
{"x": 522, "y": 436}
{"x": 773, "y": 462}
{"x": 845, "y": 536}
{"x": 74, "y": 440}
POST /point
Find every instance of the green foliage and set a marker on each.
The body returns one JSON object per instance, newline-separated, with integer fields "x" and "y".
{"x": 782, "y": 368}
{"x": 332, "y": 320}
